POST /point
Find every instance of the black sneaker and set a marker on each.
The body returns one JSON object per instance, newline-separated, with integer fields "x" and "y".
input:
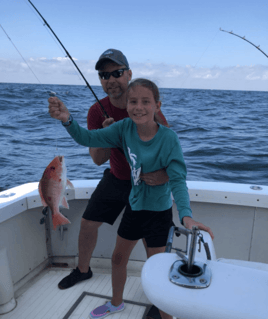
{"x": 74, "y": 277}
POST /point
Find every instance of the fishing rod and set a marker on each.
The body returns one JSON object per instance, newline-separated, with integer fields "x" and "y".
{"x": 244, "y": 38}
{"x": 107, "y": 116}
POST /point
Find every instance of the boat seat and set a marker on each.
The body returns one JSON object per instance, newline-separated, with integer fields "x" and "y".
{"x": 243, "y": 263}
{"x": 237, "y": 289}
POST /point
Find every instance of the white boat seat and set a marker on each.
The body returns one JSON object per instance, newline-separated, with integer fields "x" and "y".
{"x": 243, "y": 263}
{"x": 235, "y": 291}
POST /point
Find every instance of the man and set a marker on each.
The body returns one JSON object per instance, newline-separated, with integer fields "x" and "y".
{"x": 111, "y": 194}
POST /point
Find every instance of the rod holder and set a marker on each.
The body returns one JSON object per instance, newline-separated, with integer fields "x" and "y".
{"x": 187, "y": 272}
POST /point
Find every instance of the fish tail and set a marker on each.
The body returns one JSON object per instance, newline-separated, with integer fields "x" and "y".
{"x": 58, "y": 219}
{"x": 70, "y": 184}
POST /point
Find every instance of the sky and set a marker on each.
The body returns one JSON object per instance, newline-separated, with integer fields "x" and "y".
{"x": 177, "y": 44}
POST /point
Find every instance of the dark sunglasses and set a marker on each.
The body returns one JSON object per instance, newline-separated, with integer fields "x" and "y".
{"x": 116, "y": 74}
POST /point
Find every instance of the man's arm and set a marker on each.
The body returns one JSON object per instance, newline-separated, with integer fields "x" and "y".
{"x": 99, "y": 155}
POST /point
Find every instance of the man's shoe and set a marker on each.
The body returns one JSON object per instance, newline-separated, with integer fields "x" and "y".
{"x": 74, "y": 277}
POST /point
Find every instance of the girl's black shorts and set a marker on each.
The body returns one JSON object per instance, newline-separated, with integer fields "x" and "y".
{"x": 151, "y": 225}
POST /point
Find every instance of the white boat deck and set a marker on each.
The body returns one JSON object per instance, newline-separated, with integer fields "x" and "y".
{"x": 42, "y": 299}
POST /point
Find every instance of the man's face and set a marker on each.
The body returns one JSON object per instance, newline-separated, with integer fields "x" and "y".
{"x": 115, "y": 87}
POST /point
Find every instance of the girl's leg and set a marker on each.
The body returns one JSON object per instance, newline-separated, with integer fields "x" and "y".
{"x": 153, "y": 251}
{"x": 146, "y": 247}
{"x": 120, "y": 258}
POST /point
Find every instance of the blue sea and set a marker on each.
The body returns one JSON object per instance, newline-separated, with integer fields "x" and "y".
{"x": 223, "y": 134}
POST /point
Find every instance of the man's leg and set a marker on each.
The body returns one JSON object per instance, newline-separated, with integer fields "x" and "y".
{"x": 87, "y": 242}
{"x": 106, "y": 203}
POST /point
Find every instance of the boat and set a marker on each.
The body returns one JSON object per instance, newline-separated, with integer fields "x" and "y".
{"x": 34, "y": 257}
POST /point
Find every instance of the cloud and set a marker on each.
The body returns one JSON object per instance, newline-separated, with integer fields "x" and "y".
{"x": 60, "y": 70}
{"x": 253, "y": 77}
{"x": 64, "y": 59}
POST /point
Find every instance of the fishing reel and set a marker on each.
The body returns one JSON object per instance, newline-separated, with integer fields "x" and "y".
{"x": 187, "y": 272}
{"x": 45, "y": 213}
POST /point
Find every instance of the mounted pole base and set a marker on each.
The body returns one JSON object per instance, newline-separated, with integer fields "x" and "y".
{"x": 7, "y": 307}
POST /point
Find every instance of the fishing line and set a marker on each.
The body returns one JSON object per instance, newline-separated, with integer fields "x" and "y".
{"x": 201, "y": 57}
{"x": 20, "y": 54}
{"x": 103, "y": 110}
{"x": 244, "y": 38}
{"x": 52, "y": 37}
{"x": 51, "y": 93}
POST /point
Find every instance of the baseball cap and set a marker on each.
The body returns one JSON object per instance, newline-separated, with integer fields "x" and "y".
{"x": 114, "y": 56}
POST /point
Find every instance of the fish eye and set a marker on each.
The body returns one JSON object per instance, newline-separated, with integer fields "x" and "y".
{"x": 53, "y": 168}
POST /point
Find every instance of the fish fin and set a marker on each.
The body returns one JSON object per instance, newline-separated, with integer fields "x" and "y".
{"x": 58, "y": 220}
{"x": 41, "y": 195}
{"x": 69, "y": 184}
{"x": 64, "y": 202}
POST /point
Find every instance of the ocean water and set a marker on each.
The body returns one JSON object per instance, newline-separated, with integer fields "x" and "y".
{"x": 223, "y": 134}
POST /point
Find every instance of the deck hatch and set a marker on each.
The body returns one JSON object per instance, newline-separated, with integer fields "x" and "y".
{"x": 85, "y": 294}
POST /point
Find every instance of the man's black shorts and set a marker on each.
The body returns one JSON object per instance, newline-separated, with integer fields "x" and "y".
{"x": 151, "y": 225}
{"x": 108, "y": 200}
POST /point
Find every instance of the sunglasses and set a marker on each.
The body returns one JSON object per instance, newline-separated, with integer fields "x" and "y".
{"x": 116, "y": 74}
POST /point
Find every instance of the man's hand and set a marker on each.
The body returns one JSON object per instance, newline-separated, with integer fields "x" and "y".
{"x": 58, "y": 110}
{"x": 108, "y": 122}
{"x": 156, "y": 178}
{"x": 188, "y": 222}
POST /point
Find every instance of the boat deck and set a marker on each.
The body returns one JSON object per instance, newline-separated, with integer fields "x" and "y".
{"x": 41, "y": 298}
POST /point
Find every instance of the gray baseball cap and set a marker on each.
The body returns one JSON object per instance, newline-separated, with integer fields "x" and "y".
{"x": 112, "y": 55}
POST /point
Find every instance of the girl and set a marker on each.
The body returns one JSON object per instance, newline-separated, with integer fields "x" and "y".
{"x": 148, "y": 147}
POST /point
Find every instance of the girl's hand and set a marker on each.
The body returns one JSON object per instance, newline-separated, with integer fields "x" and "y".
{"x": 57, "y": 109}
{"x": 188, "y": 222}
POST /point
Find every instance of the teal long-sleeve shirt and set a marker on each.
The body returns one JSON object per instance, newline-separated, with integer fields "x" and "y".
{"x": 162, "y": 151}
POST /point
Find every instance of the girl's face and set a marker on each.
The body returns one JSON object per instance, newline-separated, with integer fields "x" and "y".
{"x": 141, "y": 105}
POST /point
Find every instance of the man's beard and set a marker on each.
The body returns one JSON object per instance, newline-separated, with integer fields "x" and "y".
{"x": 115, "y": 93}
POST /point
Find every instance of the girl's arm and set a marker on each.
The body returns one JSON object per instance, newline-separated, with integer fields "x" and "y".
{"x": 177, "y": 176}
{"x": 107, "y": 137}
{"x": 176, "y": 171}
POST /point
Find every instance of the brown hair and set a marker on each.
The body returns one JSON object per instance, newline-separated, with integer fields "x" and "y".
{"x": 148, "y": 85}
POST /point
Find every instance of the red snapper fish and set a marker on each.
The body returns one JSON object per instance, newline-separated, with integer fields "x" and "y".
{"x": 51, "y": 188}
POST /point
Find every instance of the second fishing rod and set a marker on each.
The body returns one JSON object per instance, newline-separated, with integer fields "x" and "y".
{"x": 68, "y": 54}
